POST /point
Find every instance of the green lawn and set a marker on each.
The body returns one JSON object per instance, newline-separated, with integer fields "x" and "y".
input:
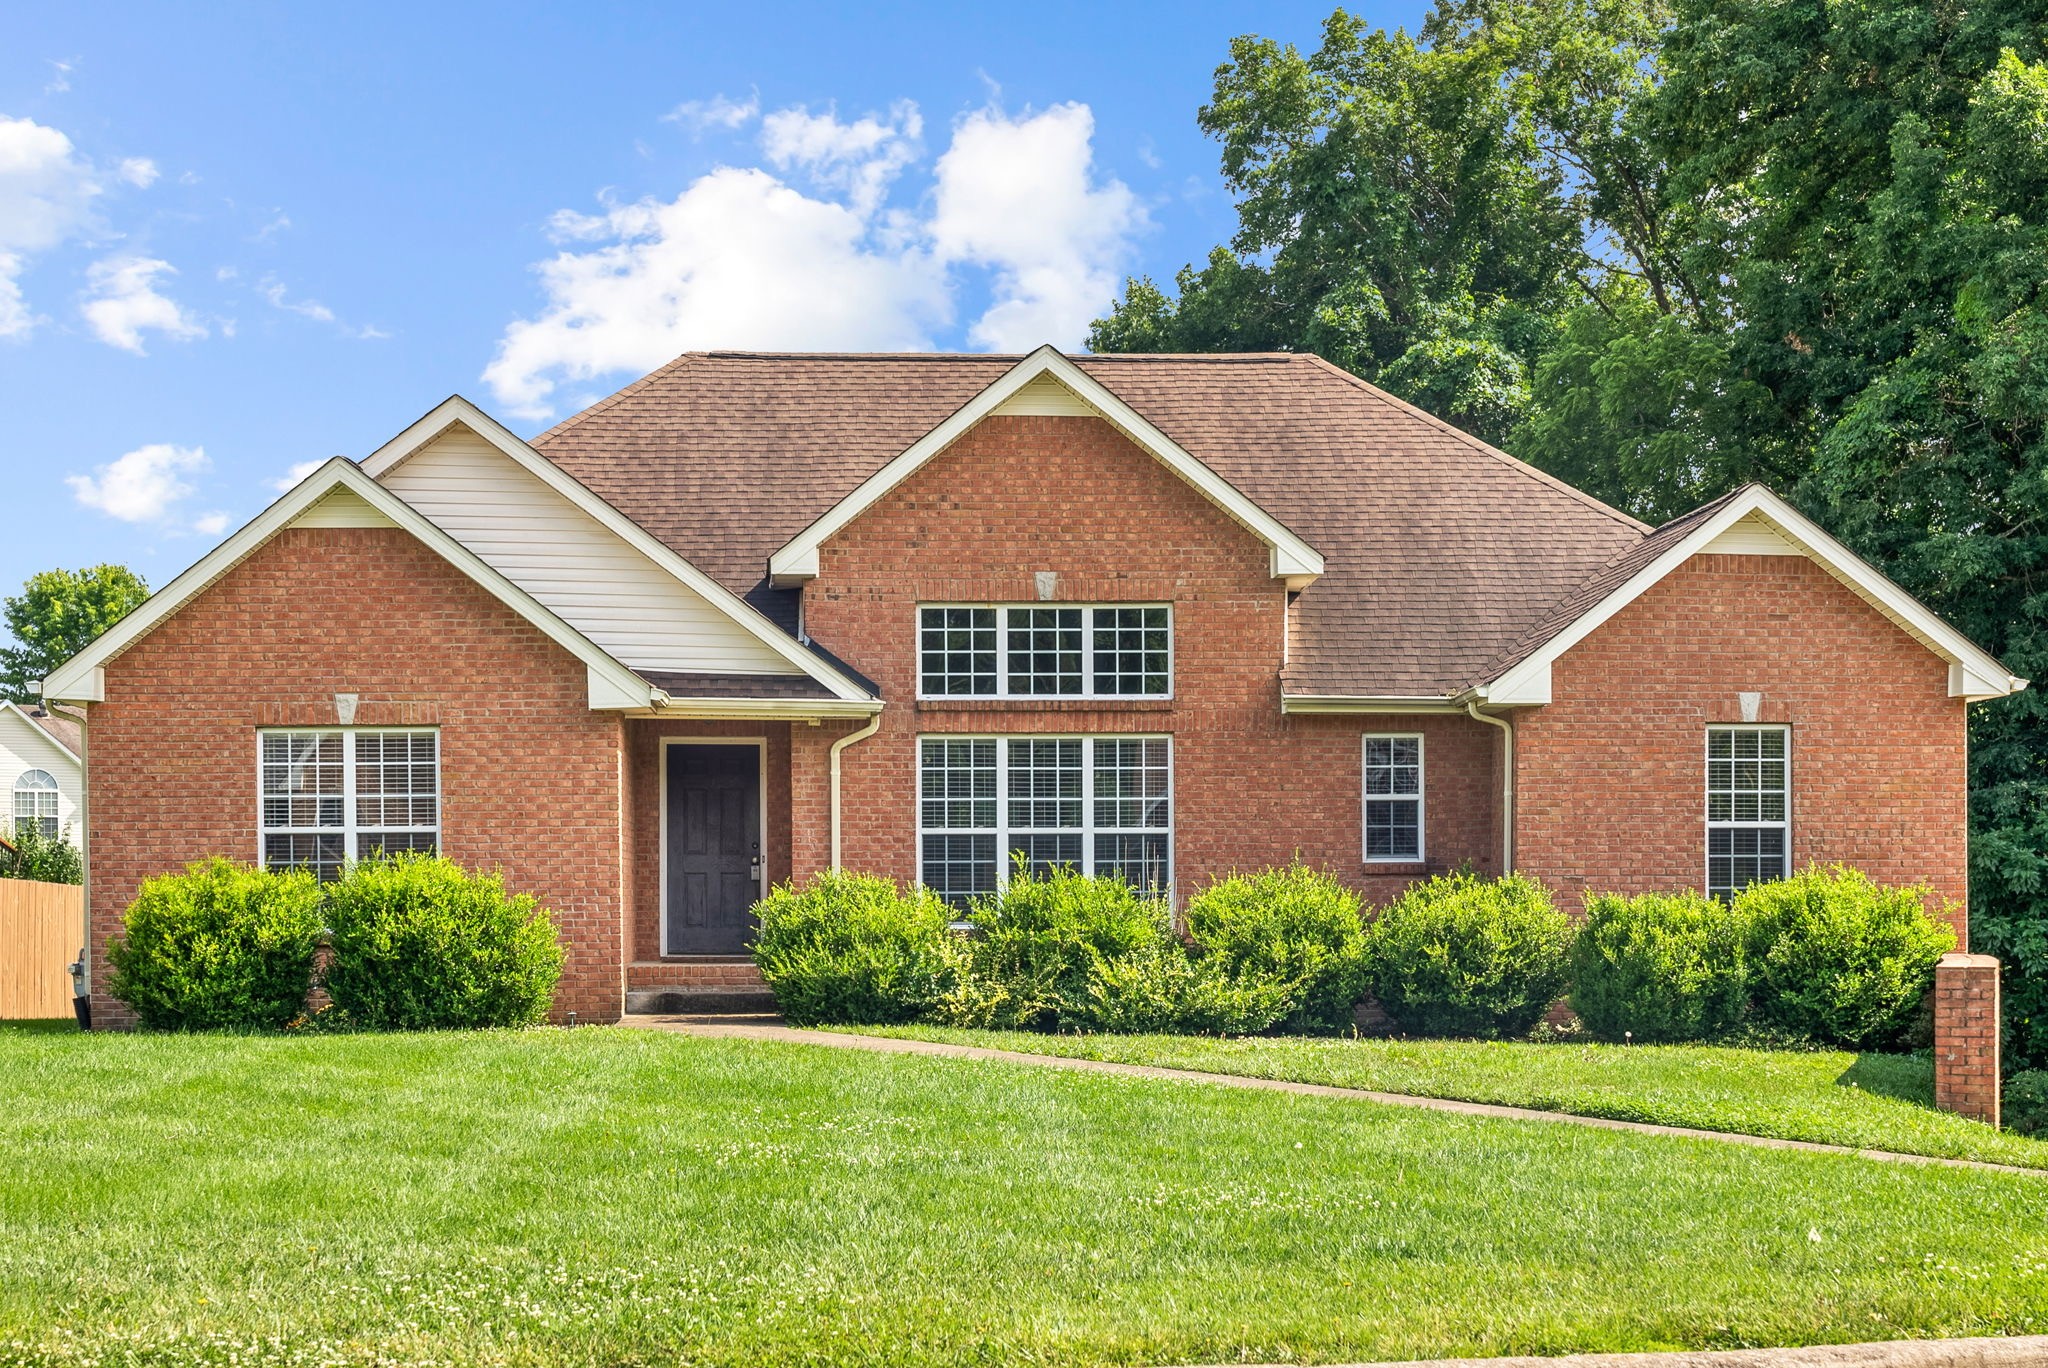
{"x": 602, "y": 1197}
{"x": 1870, "y": 1101}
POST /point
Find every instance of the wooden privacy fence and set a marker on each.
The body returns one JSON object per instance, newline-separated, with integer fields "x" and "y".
{"x": 42, "y": 926}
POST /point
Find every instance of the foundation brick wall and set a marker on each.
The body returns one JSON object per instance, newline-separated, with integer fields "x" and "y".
{"x": 1966, "y": 1079}
{"x": 1020, "y": 495}
{"x": 1611, "y": 774}
{"x": 530, "y": 777}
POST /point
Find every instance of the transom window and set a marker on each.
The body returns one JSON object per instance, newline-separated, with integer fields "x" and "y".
{"x": 35, "y": 802}
{"x": 1094, "y": 804}
{"x": 1393, "y": 799}
{"x": 1749, "y": 807}
{"x": 1045, "y": 651}
{"x": 331, "y": 796}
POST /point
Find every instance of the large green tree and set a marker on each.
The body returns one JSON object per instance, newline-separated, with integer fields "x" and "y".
{"x": 1660, "y": 250}
{"x": 56, "y": 614}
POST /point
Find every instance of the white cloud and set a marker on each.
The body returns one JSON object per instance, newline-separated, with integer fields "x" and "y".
{"x": 60, "y": 76}
{"x": 744, "y": 258}
{"x": 15, "y": 319}
{"x": 142, "y": 486}
{"x": 125, "y": 303}
{"x": 273, "y": 290}
{"x": 46, "y": 195}
{"x": 1019, "y": 197}
{"x": 139, "y": 172}
{"x": 210, "y": 524}
{"x": 717, "y": 112}
{"x": 299, "y": 471}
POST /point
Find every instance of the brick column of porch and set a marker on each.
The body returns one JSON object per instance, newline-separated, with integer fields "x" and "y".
{"x": 1966, "y": 1036}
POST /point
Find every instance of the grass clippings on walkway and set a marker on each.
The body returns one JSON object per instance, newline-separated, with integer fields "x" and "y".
{"x": 1868, "y": 1101}
{"x": 605, "y": 1196}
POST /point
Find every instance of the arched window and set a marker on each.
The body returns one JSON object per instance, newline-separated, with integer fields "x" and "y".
{"x": 35, "y": 801}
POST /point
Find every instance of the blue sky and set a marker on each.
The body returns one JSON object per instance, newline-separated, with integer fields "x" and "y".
{"x": 234, "y": 241}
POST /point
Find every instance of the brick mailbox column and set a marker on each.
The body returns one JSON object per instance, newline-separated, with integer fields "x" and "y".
{"x": 1966, "y": 1036}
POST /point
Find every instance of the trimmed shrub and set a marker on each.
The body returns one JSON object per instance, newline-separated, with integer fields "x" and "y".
{"x": 44, "y": 859}
{"x": 1659, "y": 967}
{"x": 419, "y": 943}
{"x": 1160, "y": 987}
{"x": 1038, "y": 945}
{"x": 1294, "y": 926}
{"x": 854, "y": 950}
{"x": 1459, "y": 955}
{"x": 1838, "y": 957}
{"x": 219, "y": 946}
{"x": 2025, "y": 1105}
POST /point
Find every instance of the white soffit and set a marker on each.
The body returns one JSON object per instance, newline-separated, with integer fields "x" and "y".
{"x": 598, "y": 568}
{"x": 1974, "y": 675}
{"x": 1291, "y": 558}
{"x": 82, "y": 679}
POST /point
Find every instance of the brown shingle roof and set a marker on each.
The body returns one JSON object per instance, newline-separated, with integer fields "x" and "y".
{"x": 61, "y": 725}
{"x": 1442, "y": 554}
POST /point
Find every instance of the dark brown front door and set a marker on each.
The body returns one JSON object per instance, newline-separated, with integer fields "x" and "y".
{"x": 713, "y": 849}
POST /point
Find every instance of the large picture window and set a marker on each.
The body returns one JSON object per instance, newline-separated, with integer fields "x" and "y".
{"x": 1749, "y": 807}
{"x": 1047, "y": 650}
{"x": 331, "y": 796}
{"x": 35, "y": 801}
{"x": 1095, "y": 804}
{"x": 1393, "y": 799}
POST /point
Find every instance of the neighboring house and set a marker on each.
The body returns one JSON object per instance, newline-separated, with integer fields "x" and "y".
{"x": 755, "y": 616}
{"x": 41, "y": 772}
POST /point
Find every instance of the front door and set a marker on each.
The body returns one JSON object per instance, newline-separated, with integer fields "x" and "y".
{"x": 713, "y": 849}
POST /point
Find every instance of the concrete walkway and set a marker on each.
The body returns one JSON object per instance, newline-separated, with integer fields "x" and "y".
{"x": 2030, "y": 1351}
{"x": 771, "y": 1028}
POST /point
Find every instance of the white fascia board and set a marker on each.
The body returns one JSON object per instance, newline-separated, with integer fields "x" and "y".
{"x": 1327, "y": 704}
{"x": 82, "y": 678}
{"x": 39, "y": 729}
{"x": 458, "y": 410}
{"x": 793, "y": 709}
{"x": 1973, "y": 674}
{"x": 1292, "y": 558}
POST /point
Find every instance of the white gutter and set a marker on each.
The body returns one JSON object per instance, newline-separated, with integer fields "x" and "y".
{"x": 1507, "y": 782}
{"x": 874, "y": 725}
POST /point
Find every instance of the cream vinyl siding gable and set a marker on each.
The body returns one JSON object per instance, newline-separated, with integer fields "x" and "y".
{"x": 630, "y": 607}
{"x": 342, "y": 508}
{"x": 1751, "y": 536}
{"x": 24, "y": 746}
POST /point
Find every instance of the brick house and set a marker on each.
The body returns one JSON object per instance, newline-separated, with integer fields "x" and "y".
{"x": 756, "y": 616}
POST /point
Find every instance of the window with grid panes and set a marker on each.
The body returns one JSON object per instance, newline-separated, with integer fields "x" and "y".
{"x": 1749, "y": 807}
{"x": 1045, "y": 651}
{"x": 331, "y": 796}
{"x": 1393, "y": 798}
{"x": 1097, "y": 805}
{"x": 35, "y": 801}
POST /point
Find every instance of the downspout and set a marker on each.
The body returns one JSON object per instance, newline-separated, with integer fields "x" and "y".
{"x": 874, "y": 725}
{"x": 1507, "y": 782}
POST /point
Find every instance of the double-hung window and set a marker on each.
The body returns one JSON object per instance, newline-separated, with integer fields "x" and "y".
{"x": 334, "y": 795}
{"x": 1393, "y": 799}
{"x": 1046, "y": 650}
{"x": 1749, "y": 807}
{"x": 1094, "y": 804}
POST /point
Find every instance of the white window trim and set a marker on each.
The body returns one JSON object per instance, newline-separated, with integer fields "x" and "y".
{"x": 1706, "y": 796}
{"x": 350, "y": 829}
{"x": 1087, "y": 831}
{"x": 1088, "y": 693}
{"x": 1421, "y": 796}
{"x": 48, "y": 794}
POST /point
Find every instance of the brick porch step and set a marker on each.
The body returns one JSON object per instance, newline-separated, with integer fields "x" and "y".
{"x": 711, "y": 984}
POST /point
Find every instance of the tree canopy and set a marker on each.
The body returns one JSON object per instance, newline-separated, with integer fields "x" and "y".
{"x": 56, "y": 615}
{"x": 1660, "y": 247}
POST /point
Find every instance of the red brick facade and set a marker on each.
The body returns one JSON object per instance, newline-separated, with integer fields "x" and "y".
{"x": 1610, "y": 775}
{"x": 1020, "y": 496}
{"x": 530, "y": 776}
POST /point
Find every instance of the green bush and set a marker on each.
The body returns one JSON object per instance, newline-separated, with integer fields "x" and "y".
{"x": 1838, "y": 957}
{"x": 422, "y": 944}
{"x": 1160, "y": 987}
{"x": 219, "y": 946}
{"x": 853, "y": 949}
{"x": 1295, "y": 926}
{"x": 2026, "y": 1103}
{"x": 1459, "y": 955}
{"x": 1038, "y": 946}
{"x": 1659, "y": 967}
{"x": 45, "y": 859}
